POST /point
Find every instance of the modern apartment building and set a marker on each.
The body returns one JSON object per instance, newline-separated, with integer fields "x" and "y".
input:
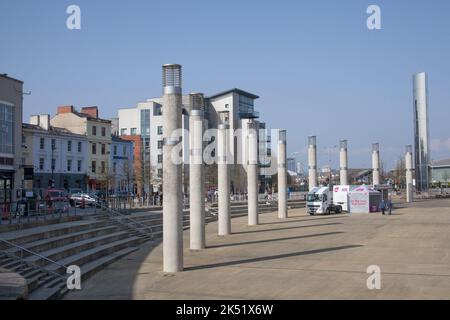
{"x": 98, "y": 132}
{"x": 145, "y": 120}
{"x": 57, "y": 155}
{"x": 11, "y": 91}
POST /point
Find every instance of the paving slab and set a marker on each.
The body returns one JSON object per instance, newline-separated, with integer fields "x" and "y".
{"x": 303, "y": 257}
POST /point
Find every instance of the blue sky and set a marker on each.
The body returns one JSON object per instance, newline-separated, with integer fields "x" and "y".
{"x": 316, "y": 66}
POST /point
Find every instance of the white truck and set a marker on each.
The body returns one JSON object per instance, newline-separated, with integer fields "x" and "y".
{"x": 320, "y": 200}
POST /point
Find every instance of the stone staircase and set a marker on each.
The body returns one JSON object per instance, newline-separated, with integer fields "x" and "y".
{"x": 45, "y": 252}
{"x": 41, "y": 254}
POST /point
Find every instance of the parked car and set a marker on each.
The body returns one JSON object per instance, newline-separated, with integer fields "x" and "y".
{"x": 56, "y": 200}
{"x": 77, "y": 198}
{"x": 56, "y": 195}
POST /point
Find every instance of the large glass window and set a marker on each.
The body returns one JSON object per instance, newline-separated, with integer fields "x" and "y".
{"x": 145, "y": 123}
{"x": 6, "y": 128}
{"x": 157, "y": 110}
{"x": 246, "y": 105}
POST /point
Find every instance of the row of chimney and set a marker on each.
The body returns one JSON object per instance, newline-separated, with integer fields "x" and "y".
{"x": 43, "y": 120}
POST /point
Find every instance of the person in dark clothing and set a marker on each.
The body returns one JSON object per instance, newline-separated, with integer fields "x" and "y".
{"x": 389, "y": 206}
{"x": 383, "y": 206}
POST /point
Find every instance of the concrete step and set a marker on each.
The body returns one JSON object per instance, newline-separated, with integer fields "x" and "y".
{"x": 48, "y": 289}
{"x": 90, "y": 255}
{"x": 33, "y": 223}
{"x": 54, "y": 242}
{"x": 90, "y": 268}
{"x": 71, "y": 249}
{"x": 38, "y": 280}
{"x": 49, "y": 231}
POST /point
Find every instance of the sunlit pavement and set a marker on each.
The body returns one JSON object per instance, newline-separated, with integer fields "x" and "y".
{"x": 303, "y": 257}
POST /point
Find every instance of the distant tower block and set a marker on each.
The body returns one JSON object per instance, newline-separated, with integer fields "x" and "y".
{"x": 409, "y": 174}
{"x": 196, "y": 173}
{"x": 223, "y": 148}
{"x": 344, "y": 163}
{"x": 376, "y": 164}
{"x": 252, "y": 174}
{"x": 312, "y": 160}
{"x": 421, "y": 132}
{"x": 172, "y": 200}
{"x": 282, "y": 176}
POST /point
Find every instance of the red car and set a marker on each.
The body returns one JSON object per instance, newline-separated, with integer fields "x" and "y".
{"x": 57, "y": 195}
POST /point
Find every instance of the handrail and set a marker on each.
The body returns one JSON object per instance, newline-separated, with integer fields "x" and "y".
{"x": 34, "y": 254}
{"x": 144, "y": 226}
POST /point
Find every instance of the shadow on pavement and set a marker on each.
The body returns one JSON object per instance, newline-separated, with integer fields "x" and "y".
{"x": 273, "y": 240}
{"x": 290, "y": 228}
{"x": 259, "y": 259}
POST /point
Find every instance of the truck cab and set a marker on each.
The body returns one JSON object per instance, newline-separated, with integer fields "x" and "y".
{"x": 320, "y": 201}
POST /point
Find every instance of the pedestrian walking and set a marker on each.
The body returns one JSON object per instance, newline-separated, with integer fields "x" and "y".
{"x": 389, "y": 205}
{"x": 383, "y": 206}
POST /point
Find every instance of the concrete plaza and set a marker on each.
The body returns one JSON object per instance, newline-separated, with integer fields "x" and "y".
{"x": 303, "y": 257}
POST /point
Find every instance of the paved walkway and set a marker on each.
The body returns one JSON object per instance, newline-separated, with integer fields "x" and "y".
{"x": 323, "y": 257}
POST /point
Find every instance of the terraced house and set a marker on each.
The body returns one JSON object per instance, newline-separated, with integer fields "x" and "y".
{"x": 98, "y": 133}
{"x": 56, "y": 155}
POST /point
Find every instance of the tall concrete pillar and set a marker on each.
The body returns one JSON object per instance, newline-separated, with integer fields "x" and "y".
{"x": 312, "y": 161}
{"x": 172, "y": 171}
{"x": 409, "y": 174}
{"x": 376, "y": 164}
{"x": 196, "y": 174}
{"x": 344, "y": 163}
{"x": 252, "y": 174}
{"x": 282, "y": 176}
{"x": 223, "y": 146}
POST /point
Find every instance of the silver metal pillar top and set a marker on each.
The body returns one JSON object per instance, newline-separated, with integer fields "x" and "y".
{"x": 197, "y": 101}
{"x": 282, "y": 136}
{"x": 171, "y": 79}
{"x": 375, "y": 147}
{"x": 343, "y": 144}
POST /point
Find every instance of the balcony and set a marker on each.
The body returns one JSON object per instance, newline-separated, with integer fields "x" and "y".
{"x": 249, "y": 114}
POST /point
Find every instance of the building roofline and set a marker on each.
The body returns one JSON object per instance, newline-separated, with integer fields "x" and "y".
{"x": 57, "y": 131}
{"x": 236, "y": 90}
{"x": 5, "y": 75}
{"x": 119, "y": 139}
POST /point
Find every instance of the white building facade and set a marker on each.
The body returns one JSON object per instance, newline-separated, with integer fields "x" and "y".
{"x": 57, "y": 155}
{"x": 121, "y": 165}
